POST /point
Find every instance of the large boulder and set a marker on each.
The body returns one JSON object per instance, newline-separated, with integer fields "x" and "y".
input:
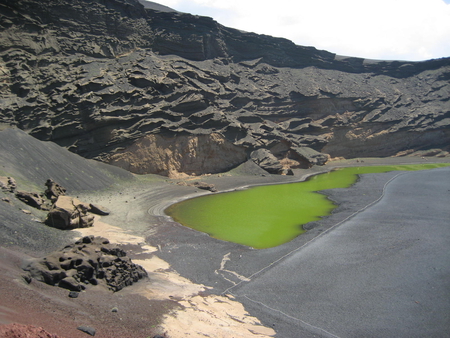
{"x": 69, "y": 213}
{"x": 89, "y": 261}
{"x": 310, "y": 156}
{"x": 32, "y": 199}
{"x": 267, "y": 161}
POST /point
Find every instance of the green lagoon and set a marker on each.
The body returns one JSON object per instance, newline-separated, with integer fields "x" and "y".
{"x": 267, "y": 216}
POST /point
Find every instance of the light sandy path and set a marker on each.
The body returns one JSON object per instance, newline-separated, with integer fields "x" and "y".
{"x": 199, "y": 316}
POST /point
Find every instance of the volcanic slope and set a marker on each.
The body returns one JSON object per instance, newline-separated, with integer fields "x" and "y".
{"x": 31, "y": 162}
{"x": 23, "y": 236}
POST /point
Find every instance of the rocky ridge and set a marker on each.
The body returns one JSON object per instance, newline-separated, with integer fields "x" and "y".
{"x": 167, "y": 92}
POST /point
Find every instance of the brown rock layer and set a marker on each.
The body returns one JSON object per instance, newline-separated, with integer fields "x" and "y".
{"x": 190, "y": 154}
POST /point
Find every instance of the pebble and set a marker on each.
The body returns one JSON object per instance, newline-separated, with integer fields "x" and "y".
{"x": 73, "y": 294}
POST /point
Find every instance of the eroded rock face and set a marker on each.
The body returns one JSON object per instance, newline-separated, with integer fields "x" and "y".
{"x": 89, "y": 261}
{"x": 190, "y": 154}
{"x": 107, "y": 81}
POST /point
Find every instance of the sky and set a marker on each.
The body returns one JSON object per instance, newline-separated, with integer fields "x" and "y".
{"x": 411, "y": 30}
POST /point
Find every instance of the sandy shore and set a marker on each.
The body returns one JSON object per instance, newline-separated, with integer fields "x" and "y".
{"x": 199, "y": 315}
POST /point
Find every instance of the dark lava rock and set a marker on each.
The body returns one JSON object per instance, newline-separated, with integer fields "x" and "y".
{"x": 87, "y": 329}
{"x": 98, "y": 210}
{"x": 73, "y": 294}
{"x": 89, "y": 261}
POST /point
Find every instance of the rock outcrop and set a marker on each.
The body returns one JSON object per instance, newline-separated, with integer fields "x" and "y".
{"x": 69, "y": 213}
{"x": 309, "y": 155}
{"x": 33, "y": 199}
{"x": 134, "y": 87}
{"x": 8, "y": 184}
{"x": 65, "y": 212}
{"x": 266, "y": 160}
{"x": 89, "y": 261}
{"x": 54, "y": 190}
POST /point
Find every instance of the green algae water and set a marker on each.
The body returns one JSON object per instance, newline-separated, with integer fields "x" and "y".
{"x": 270, "y": 215}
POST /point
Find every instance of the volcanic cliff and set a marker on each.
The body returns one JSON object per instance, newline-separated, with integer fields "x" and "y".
{"x": 156, "y": 91}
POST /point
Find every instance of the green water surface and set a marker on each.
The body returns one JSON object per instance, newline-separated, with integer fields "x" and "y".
{"x": 267, "y": 216}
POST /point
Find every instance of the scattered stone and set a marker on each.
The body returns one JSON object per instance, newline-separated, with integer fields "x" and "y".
{"x": 205, "y": 186}
{"x": 69, "y": 213}
{"x": 87, "y": 329}
{"x": 89, "y": 261}
{"x": 28, "y": 212}
{"x": 98, "y": 209}
{"x": 115, "y": 309}
{"x": 6, "y": 199}
{"x": 73, "y": 294}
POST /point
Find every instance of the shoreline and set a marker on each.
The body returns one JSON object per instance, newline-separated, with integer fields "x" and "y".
{"x": 161, "y": 224}
{"x": 304, "y": 175}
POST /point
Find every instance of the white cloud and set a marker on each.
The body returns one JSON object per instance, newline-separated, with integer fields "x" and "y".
{"x": 381, "y": 29}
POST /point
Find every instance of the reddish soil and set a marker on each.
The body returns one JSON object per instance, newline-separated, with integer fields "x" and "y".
{"x": 24, "y": 331}
{"x": 50, "y": 309}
